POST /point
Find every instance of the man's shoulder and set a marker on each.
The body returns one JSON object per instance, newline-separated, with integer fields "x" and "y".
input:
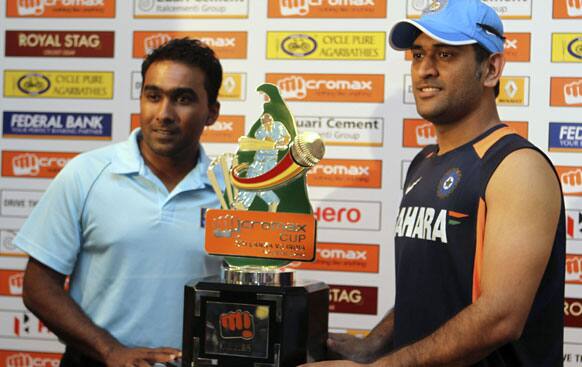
{"x": 92, "y": 162}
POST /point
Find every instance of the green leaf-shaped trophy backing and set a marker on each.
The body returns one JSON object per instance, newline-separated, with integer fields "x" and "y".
{"x": 293, "y": 196}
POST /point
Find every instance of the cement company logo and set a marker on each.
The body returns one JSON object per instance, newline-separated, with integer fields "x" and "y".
{"x": 34, "y": 164}
{"x": 60, "y": 8}
{"x": 567, "y": 9}
{"x": 506, "y": 9}
{"x": 227, "y": 45}
{"x": 329, "y": 87}
{"x": 346, "y": 173}
{"x": 566, "y": 92}
{"x": 353, "y": 299}
{"x": 345, "y": 131}
{"x": 12, "y": 358}
{"x": 327, "y": 9}
{"x": 350, "y": 215}
{"x": 197, "y": 9}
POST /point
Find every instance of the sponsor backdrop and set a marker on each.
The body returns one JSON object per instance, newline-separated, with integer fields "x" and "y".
{"x": 70, "y": 82}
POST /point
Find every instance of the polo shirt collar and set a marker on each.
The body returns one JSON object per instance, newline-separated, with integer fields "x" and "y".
{"x": 128, "y": 160}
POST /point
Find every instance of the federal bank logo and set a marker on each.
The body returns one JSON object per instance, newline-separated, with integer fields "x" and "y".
{"x": 571, "y": 179}
{"x": 346, "y": 173}
{"x": 191, "y": 9}
{"x": 567, "y": 47}
{"x": 232, "y": 89}
{"x": 565, "y": 137}
{"x": 345, "y": 131}
{"x": 353, "y": 299}
{"x": 13, "y": 358}
{"x": 366, "y": 88}
{"x": 11, "y": 282}
{"x": 566, "y": 92}
{"x": 513, "y": 91}
{"x": 64, "y": 125}
{"x": 58, "y": 84}
{"x": 567, "y": 9}
{"x": 343, "y": 257}
{"x": 33, "y": 164}
{"x": 59, "y": 44}
{"x": 227, "y": 45}
{"x": 349, "y": 215}
{"x": 326, "y": 45}
{"x": 327, "y": 9}
{"x": 573, "y": 269}
{"x": 506, "y": 9}
{"x": 60, "y": 8}
{"x": 574, "y": 224}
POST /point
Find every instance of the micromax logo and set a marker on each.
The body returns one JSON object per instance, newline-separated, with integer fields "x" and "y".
{"x": 297, "y": 87}
{"x": 340, "y": 169}
{"x": 332, "y": 254}
{"x": 27, "y": 360}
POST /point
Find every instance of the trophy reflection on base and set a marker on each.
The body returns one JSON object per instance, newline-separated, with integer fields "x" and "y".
{"x": 255, "y": 313}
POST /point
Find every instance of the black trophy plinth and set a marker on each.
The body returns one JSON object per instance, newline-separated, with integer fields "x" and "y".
{"x": 254, "y": 325}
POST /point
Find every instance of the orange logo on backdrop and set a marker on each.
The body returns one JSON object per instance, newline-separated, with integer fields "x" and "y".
{"x": 567, "y": 9}
{"x": 566, "y": 92}
{"x": 227, "y": 129}
{"x": 571, "y": 179}
{"x": 343, "y": 257}
{"x": 13, "y": 358}
{"x": 574, "y": 269}
{"x": 346, "y": 173}
{"x": 227, "y": 45}
{"x": 418, "y": 133}
{"x": 329, "y": 87}
{"x": 34, "y": 164}
{"x": 11, "y": 282}
{"x": 60, "y": 9}
{"x": 517, "y": 47}
{"x": 289, "y": 236}
{"x": 326, "y": 9}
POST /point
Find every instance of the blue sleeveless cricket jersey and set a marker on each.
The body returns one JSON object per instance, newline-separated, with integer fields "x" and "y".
{"x": 439, "y": 238}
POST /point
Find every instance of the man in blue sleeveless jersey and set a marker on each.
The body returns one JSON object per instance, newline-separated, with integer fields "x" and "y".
{"x": 125, "y": 223}
{"x": 479, "y": 238}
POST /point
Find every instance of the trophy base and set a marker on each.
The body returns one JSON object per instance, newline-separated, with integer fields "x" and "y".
{"x": 258, "y": 276}
{"x": 253, "y": 325}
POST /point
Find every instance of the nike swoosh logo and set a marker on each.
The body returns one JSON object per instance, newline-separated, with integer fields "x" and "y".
{"x": 411, "y": 186}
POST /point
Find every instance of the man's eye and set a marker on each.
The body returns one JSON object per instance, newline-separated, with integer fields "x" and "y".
{"x": 153, "y": 97}
{"x": 184, "y": 99}
{"x": 417, "y": 55}
{"x": 444, "y": 54}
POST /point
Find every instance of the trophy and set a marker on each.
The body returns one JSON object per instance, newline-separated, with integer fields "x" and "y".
{"x": 255, "y": 313}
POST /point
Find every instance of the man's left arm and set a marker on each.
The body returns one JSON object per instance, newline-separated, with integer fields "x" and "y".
{"x": 523, "y": 202}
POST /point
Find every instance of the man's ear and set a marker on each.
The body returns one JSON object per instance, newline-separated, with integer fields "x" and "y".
{"x": 213, "y": 112}
{"x": 494, "y": 69}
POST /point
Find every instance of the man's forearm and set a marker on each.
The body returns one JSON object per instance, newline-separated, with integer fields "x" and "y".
{"x": 45, "y": 297}
{"x": 465, "y": 339}
{"x": 380, "y": 337}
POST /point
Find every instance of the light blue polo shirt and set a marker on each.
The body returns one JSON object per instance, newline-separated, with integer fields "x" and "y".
{"x": 129, "y": 245}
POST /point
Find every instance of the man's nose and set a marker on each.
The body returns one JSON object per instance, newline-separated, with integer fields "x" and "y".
{"x": 166, "y": 111}
{"x": 427, "y": 67}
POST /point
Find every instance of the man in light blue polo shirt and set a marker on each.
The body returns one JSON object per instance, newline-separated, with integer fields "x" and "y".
{"x": 126, "y": 223}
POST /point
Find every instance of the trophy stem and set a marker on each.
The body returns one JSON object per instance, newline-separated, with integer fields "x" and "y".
{"x": 258, "y": 276}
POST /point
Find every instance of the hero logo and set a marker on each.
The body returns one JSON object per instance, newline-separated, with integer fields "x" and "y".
{"x": 30, "y": 165}
{"x": 296, "y": 87}
{"x": 37, "y": 7}
{"x": 352, "y": 215}
{"x": 302, "y": 7}
{"x": 27, "y": 360}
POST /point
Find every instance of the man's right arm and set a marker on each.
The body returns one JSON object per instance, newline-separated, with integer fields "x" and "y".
{"x": 364, "y": 350}
{"x": 44, "y": 295}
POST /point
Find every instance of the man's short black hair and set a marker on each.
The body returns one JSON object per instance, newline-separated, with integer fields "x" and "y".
{"x": 482, "y": 54}
{"x": 190, "y": 52}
